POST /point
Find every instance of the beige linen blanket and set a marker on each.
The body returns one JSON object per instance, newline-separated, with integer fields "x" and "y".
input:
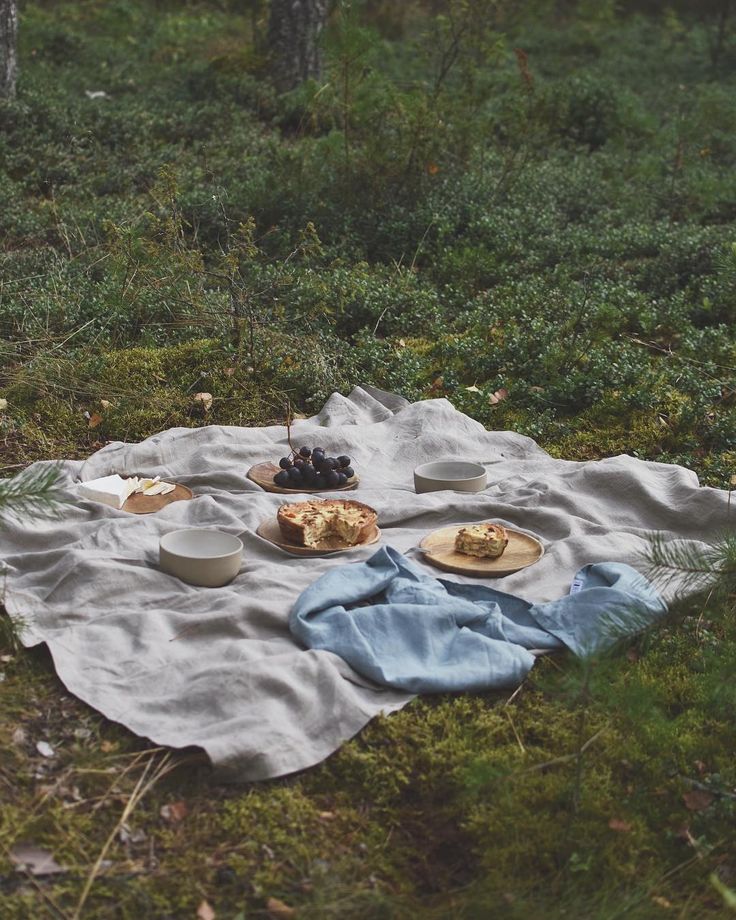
{"x": 218, "y": 668}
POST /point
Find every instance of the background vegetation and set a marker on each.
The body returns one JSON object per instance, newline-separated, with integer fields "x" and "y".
{"x": 525, "y": 207}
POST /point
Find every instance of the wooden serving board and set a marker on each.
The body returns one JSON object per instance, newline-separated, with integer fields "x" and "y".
{"x": 270, "y": 530}
{"x": 439, "y": 550}
{"x": 262, "y": 474}
{"x": 147, "y": 504}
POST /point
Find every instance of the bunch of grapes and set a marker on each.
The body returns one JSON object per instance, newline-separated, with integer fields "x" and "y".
{"x": 311, "y": 469}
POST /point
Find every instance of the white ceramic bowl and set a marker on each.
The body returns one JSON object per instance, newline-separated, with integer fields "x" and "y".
{"x": 209, "y": 558}
{"x": 460, "y": 475}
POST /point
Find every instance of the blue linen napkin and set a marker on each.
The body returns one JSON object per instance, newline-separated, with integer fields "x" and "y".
{"x": 402, "y": 628}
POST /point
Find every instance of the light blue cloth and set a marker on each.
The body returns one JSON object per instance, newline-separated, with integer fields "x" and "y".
{"x": 402, "y": 628}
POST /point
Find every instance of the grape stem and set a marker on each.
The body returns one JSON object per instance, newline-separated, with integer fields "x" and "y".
{"x": 288, "y": 426}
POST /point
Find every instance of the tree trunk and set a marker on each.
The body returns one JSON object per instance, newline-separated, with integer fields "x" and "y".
{"x": 8, "y": 59}
{"x": 719, "y": 40}
{"x": 294, "y": 27}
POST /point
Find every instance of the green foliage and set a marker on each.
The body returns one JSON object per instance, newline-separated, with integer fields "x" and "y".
{"x": 29, "y": 494}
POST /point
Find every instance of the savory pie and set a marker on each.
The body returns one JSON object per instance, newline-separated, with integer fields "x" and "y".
{"x": 311, "y": 522}
{"x": 484, "y": 540}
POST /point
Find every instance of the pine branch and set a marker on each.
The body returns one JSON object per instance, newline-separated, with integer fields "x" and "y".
{"x": 31, "y": 493}
{"x": 695, "y": 566}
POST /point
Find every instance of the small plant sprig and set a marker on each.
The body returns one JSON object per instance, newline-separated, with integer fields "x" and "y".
{"x": 33, "y": 492}
{"x": 682, "y": 564}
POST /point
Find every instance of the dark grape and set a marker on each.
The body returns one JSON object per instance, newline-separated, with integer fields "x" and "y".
{"x": 332, "y": 479}
{"x": 282, "y": 479}
{"x": 308, "y": 473}
{"x": 299, "y": 463}
{"x": 343, "y": 461}
{"x": 342, "y": 479}
{"x": 305, "y": 452}
{"x": 329, "y": 463}
{"x": 318, "y": 455}
{"x": 349, "y": 472}
{"x": 285, "y": 463}
{"x": 295, "y": 475}
{"x": 320, "y": 482}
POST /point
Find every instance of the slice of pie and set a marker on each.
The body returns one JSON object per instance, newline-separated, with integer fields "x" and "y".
{"x": 484, "y": 540}
{"x": 311, "y": 523}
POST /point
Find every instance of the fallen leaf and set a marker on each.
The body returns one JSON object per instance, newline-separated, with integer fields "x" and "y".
{"x": 45, "y": 749}
{"x": 473, "y": 389}
{"x": 277, "y": 910}
{"x": 203, "y": 401}
{"x": 697, "y": 799}
{"x": 229, "y": 371}
{"x": 402, "y": 343}
{"x": 174, "y": 812}
{"x": 131, "y": 835}
{"x": 19, "y": 736}
{"x": 105, "y": 403}
{"x": 432, "y": 169}
{"x": 327, "y": 816}
{"x": 205, "y": 911}
{"x": 616, "y": 824}
{"x": 3, "y": 405}
{"x": 95, "y": 420}
{"x": 107, "y": 746}
{"x": 662, "y": 902}
{"x": 495, "y": 398}
{"x": 35, "y": 860}
{"x": 438, "y": 383}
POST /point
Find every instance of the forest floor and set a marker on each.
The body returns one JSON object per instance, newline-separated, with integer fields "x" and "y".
{"x": 545, "y": 238}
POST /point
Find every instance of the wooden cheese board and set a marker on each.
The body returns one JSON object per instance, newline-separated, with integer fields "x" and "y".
{"x": 270, "y": 530}
{"x": 439, "y": 550}
{"x": 147, "y": 504}
{"x": 262, "y": 474}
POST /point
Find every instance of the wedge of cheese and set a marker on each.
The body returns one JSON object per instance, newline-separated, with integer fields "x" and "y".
{"x": 110, "y": 490}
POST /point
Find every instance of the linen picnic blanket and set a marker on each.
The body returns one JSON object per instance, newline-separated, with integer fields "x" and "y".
{"x": 218, "y": 668}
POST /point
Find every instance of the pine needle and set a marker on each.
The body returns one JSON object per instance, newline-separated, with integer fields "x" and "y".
{"x": 32, "y": 493}
{"x": 693, "y": 566}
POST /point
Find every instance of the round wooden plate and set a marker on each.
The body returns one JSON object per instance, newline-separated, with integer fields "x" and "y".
{"x": 262, "y": 474}
{"x": 147, "y": 504}
{"x": 270, "y": 530}
{"x": 439, "y": 550}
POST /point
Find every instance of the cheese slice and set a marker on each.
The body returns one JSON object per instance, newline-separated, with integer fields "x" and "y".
{"x": 157, "y": 487}
{"x": 110, "y": 490}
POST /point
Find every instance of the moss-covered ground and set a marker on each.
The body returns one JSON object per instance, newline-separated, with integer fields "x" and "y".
{"x": 543, "y": 235}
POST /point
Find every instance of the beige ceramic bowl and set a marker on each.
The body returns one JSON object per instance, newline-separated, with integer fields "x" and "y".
{"x": 209, "y": 558}
{"x": 460, "y": 475}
